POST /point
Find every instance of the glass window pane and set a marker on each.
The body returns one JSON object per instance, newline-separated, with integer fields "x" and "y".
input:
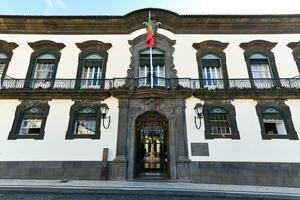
{"x": 30, "y": 126}
{"x": 85, "y": 127}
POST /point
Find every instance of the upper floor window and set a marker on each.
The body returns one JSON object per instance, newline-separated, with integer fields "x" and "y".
{"x": 219, "y": 120}
{"x": 158, "y": 63}
{"x": 260, "y": 66}
{"x": 275, "y": 120}
{"x": 92, "y": 64}
{"x": 3, "y": 61}
{"x": 6, "y": 52}
{"x": 43, "y": 71}
{"x": 212, "y": 66}
{"x": 30, "y": 120}
{"x": 92, "y": 71}
{"x": 43, "y": 64}
{"x": 212, "y": 71}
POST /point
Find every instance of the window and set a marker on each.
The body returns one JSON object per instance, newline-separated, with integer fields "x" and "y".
{"x": 30, "y": 120}
{"x": 212, "y": 71}
{"x": 43, "y": 71}
{"x": 92, "y": 64}
{"x": 85, "y": 123}
{"x": 275, "y": 120}
{"x": 261, "y": 64}
{"x": 3, "y": 61}
{"x": 212, "y": 66}
{"x": 85, "y": 118}
{"x": 158, "y": 68}
{"x": 219, "y": 120}
{"x": 92, "y": 71}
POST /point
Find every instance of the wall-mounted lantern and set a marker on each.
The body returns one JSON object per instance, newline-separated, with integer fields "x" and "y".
{"x": 104, "y": 110}
{"x": 198, "y": 110}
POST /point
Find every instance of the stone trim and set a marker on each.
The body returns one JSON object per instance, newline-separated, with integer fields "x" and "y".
{"x": 212, "y": 47}
{"x": 73, "y": 116}
{"x": 295, "y": 46}
{"x": 287, "y": 117}
{"x": 229, "y": 108}
{"x": 123, "y": 166}
{"x": 261, "y": 47}
{"x": 171, "y": 21}
{"x": 43, "y": 47}
{"x": 161, "y": 42}
{"x": 26, "y": 104}
{"x": 89, "y": 47}
{"x": 7, "y": 48}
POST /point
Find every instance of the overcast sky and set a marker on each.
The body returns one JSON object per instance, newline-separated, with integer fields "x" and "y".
{"x": 121, "y": 7}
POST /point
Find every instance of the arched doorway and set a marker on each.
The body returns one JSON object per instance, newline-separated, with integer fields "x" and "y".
{"x": 152, "y": 145}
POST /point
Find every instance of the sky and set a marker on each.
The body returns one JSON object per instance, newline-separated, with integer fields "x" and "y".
{"x": 121, "y": 7}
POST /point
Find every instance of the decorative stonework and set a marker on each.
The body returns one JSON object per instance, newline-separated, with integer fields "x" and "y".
{"x": 161, "y": 42}
{"x": 25, "y": 104}
{"x": 7, "y": 48}
{"x": 262, "y": 47}
{"x": 88, "y": 47}
{"x": 295, "y": 46}
{"x": 43, "y": 47}
{"x": 174, "y": 110}
{"x": 171, "y": 21}
{"x": 212, "y": 47}
{"x": 280, "y": 105}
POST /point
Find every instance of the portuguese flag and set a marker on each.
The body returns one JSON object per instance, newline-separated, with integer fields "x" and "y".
{"x": 150, "y": 41}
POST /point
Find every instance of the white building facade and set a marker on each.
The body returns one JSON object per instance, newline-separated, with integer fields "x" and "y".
{"x": 59, "y": 75}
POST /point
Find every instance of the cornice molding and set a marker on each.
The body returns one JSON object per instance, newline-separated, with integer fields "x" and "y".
{"x": 258, "y": 44}
{"x": 294, "y": 45}
{"x": 46, "y": 44}
{"x": 8, "y": 45}
{"x": 93, "y": 44}
{"x": 179, "y": 24}
{"x": 210, "y": 44}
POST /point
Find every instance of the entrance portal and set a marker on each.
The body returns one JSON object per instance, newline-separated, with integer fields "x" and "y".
{"x": 152, "y": 145}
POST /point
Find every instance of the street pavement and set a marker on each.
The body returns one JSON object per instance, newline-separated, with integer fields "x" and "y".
{"x": 13, "y": 189}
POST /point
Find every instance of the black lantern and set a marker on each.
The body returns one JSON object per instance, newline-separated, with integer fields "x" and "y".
{"x": 198, "y": 110}
{"x": 104, "y": 110}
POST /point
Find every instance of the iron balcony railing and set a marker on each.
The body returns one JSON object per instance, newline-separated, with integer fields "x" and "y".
{"x": 115, "y": 83}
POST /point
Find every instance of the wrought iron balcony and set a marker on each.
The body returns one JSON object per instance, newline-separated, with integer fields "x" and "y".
{"x": 116, "y": 83}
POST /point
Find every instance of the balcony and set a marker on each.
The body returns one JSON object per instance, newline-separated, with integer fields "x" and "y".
{"x": 199, "y": 87}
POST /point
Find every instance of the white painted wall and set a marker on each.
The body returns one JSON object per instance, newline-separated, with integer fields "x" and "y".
{"x": 184, "y": 55}
{"x": 54, "y": 146}
{"x": 251, "y": 147}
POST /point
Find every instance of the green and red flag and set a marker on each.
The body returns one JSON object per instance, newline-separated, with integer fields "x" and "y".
{"x": 150, "y": 32}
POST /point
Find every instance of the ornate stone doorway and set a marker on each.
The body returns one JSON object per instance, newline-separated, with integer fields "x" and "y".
{"x": 152, "y": 145}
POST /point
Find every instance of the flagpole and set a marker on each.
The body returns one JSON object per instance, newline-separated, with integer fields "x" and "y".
{"x": 151, "y": 64}
{"x": 151, "y": 67}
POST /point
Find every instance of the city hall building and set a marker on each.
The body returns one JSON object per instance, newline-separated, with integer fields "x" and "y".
{"x": 76, "y": 100}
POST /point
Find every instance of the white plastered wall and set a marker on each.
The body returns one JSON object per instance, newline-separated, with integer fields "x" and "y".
{"x": 54, "y": 146}
{"x": 250, "y": 147}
